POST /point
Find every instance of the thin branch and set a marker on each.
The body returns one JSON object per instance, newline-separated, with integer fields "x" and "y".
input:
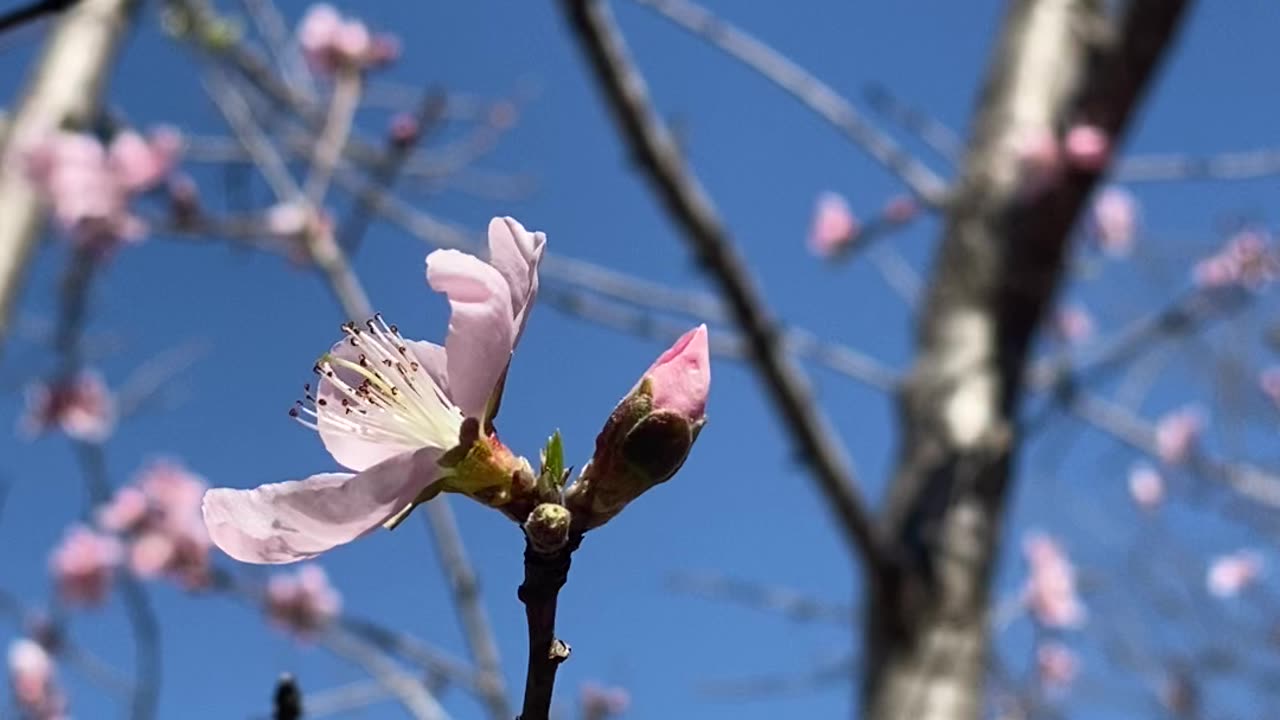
{"x": 940, "y": 138}
{"x": 809, "y": 90}
{"x": 31, "y": 12}
{"x": 469, "y": 605}
{"x": 544, "y": 575}
{"x": 412, "y": 694}
{"x": 769, "y": 598}
{"x": 63, "y": 91}
{"x": 684, "y": 198}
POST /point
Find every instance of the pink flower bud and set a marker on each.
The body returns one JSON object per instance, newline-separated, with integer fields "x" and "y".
{"x": 80, "y": 406}
{"x": 834, "y": 225}
{"x": 1039, "y": 158}
{"x": 82, "y": 566}
{"x": 1246, "y": 260}
{"x": 1114, "y": 221}
{"x": 302, "y": 602}
{"x": 1177, "y": 434}
{"x": 1073, "y": 324}
{"x": 1229, "y": 574}
{"x": 1056, "y": 666}
{"x": 404, "y": 129}
{"x": 32, "y": 677}
{"x": 1050, "y": 590}
{"x": 1088, "y": 148}
{"x": 1269, "y": 382}
{"x": 649, "y": 434}
{"x": 900, "y": 209}
{"x": 1146, "y": 486}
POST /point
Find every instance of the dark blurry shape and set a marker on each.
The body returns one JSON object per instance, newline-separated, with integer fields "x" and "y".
{"x": 288, "y": 699}
{"x": 30, "y": 12}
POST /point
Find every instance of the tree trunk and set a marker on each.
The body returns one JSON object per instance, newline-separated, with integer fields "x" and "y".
{"x": 1058, "y": 63}
{"x": 64, "y": 90}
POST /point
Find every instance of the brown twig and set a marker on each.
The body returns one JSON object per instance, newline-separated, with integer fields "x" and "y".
{"x": 683, "y": 196}
{"x": 544, "y": 575}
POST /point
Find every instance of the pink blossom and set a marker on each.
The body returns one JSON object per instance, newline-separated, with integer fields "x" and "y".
{"x": 1073, "y": 324}
{"x": 1056, "y": 665}
{"x": 159, "y": 514}
{"x": 330, "y": 41}
{"x": 139, "y": 163}
{"x": 33, "y": 679}
{"x": 404, "y": 129}
{"x": 288, "y": 219}
{"x": 90, "y": 186}
{"x": 1269, "y": 382}
{"x": 389, "y": 408}
{"x": 680, "y": 378}
{"x": 1050, "y": 591}
{"x": 302, "y": 602}
{"x": 1039, "y": 157}
{"x": 1177, "y": 434}
{"x": 1114, "y": 221}
{"x": 1231, "y": 573}
{"x": 1087, "y": 147}
{"x": 81, "y": 406}
{"x": 1246, "y": 260}
{"x": 601, "y": 703}
{"x": 82, "y": 565}
{"x": 1146, "y": 486}
{"x": 900, "y": 209}
{"x": 834, "y": 225}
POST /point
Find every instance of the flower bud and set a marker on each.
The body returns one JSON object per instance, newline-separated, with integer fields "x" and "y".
{"x": 548, "y": 527}
{"x": 649, "y": 434}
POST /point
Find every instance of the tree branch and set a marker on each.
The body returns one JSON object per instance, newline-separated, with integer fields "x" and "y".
{"x": 64, "y": 89}
{"x": 544, "y": 575}
{"x": 684, "y": 198}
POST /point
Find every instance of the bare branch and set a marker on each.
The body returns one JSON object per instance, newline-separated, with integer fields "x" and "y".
{"x": 64, "y": 90}
{"x": 683, "y": 196}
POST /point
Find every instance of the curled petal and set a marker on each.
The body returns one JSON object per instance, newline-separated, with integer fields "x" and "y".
{"x": 516, "y": 253}
{"x": 299, "y": 519}
{"x": 482, "y": 328}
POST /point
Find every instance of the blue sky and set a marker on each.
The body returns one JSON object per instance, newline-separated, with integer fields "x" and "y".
{"x": 742, "y": 505}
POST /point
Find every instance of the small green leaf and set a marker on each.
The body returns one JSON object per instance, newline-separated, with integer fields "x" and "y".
{"x": 553, "y": 461}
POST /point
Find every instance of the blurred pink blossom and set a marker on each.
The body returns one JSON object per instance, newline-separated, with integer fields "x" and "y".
{"x": 1087, "y": 147}
{"x": 330, "y": 41}
{"x": 32, "y": 675}
{"x": 1231, "y": 573}
{"x": 159, "y": 514}
{"x": 1269, "y": 382}
{"x": 302, "y": 602}
{"x": 834, "y": 225}
{"x": 1039, "y": 157}
{"x": 1177, "y": 434}
{"x": 404, "y": 129}
{"x": 900, "y": 209}
{"x": 80, "y": 406}
{"x": 82, "y": 565}
{"x": 1050, "y": 591}
{"x": 1056, "y": 665}
{"x": 1114, "y": 221}
{"x": 601, "y": 703}
{"x": 89, "y": 186}
{"x": 1073, "y": 324}
{"x": 1246, "y": 260}
{"x": 1146, "y": 486}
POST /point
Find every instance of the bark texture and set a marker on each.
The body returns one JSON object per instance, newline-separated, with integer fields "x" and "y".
{"x": 1057, "y": 63}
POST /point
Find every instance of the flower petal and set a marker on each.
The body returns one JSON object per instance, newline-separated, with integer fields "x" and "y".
{"x": 299, "y": 519}
{"x": 482, "y": 329}
{"x": 516, "y": 253}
